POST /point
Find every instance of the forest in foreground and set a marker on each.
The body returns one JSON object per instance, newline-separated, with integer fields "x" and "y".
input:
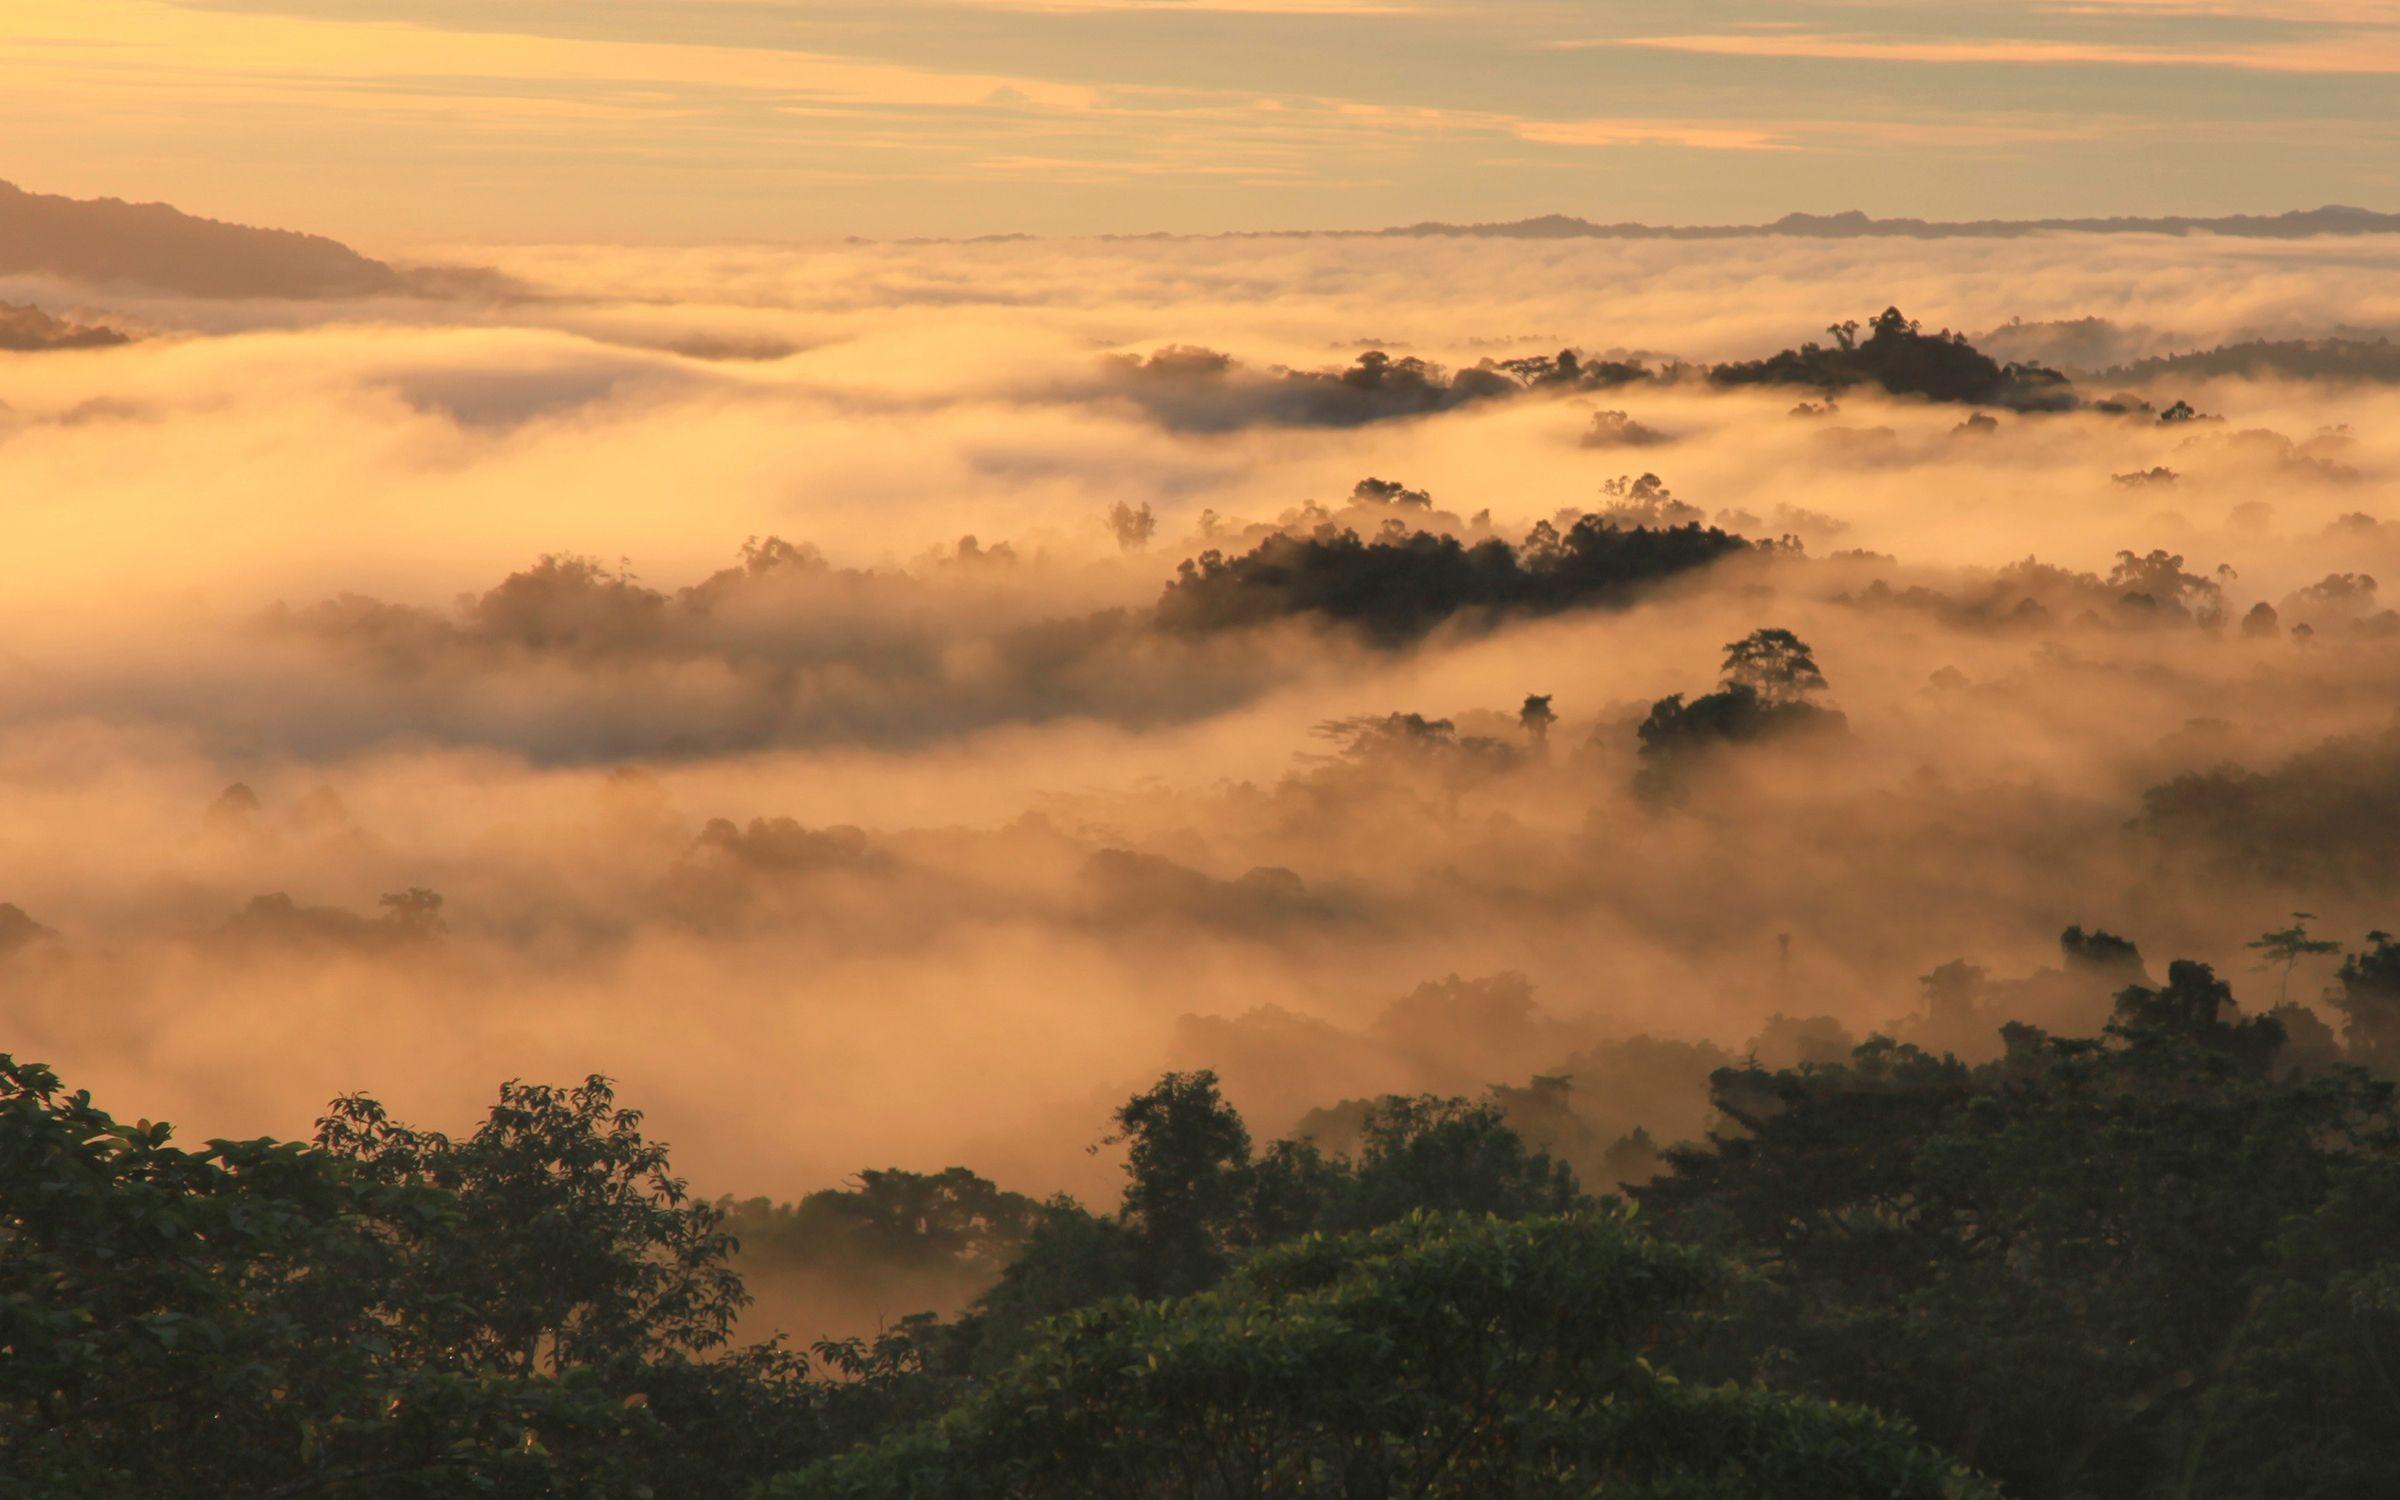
{"x": 2153, "y": 1259}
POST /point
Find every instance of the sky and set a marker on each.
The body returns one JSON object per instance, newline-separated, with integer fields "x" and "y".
{"x": 397, "y": 123}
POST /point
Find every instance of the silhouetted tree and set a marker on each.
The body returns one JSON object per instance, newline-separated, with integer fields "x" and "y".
{"x": 2194, "y": 1005}
{"x": 2285, "y": 947}
{"x": 1389, "y": 492}
{"x": 1775, "y": 664}
{"x": 2101, "y": 952}
{"x": 1186, "y": 1162}
{"x": 1536, "y": 717}
{"x": 1133, "y": 526}
{"x": 415, "y": 911}
{"x": 1763, "y": 693}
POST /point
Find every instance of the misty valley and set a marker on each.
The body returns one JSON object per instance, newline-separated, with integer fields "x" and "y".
{"x": 1450, "y": 863}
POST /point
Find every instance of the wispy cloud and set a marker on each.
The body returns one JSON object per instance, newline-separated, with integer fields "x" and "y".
{"x": 2367, "y": 52}
{"x": 1213, "y": 7}
{"x": 161, "y": 43}
{"x": 722, "y": 118}
{"x": 2305, "y": 12}
{"x": 1690, "y": 134}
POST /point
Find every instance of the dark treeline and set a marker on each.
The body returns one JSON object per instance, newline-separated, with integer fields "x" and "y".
{"x": 777, "y": 621}
{"x": 1202, "y": 390}
{"x": 26, "y": 329}
{"x": 1402, "y": 583}
{"x": 2367, "y": 360}
{"x": 2332, "y": 812}
{"x": 2151, "y": 1261}
{"x": 1899, "y": 357}
{"x": 1389, "y": 564}
{"x": 2150, "y": 590}
{"x": 1396, "y": 584}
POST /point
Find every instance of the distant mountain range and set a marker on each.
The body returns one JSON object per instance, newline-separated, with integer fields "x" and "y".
{"x": 2298, "y": 224}
{"x": 152, "y": 245}
{"x": 161, "y": 248}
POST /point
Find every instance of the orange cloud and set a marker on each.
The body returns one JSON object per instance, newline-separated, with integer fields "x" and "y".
{"x": 1692, "y": 135}
{"x": 2368, "y": 53}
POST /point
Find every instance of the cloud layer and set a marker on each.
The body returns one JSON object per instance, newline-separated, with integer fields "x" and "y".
{"x": 744, "y": 646}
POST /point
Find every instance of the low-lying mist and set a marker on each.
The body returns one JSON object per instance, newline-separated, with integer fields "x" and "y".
{"x": 883, "y": 704}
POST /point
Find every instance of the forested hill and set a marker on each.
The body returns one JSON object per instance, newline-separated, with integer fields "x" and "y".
{"x": 153, "y": 245}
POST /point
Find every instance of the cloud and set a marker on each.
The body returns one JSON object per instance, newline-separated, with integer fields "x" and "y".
{"x": 172, "y": 43}
{"x": 1691, "y": 135}
{"x": 2368, "y": 52}
{"x": 2310, "y": 12}
{"x": 1361, "y": 8}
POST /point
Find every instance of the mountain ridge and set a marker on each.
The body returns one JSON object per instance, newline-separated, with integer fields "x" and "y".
{"x": 158, "y": 246}
{"x": 2307, "y": 223}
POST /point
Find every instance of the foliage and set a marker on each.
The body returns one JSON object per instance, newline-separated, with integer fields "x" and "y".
{"x": 2048, "y": 1263}
{"x": 2155, "y": 581}
{"x": 2368, "y": 996}
{"x": 1536, "y": 717}
{"x": 928, "y": 1218}
{"x": 1198, "y": 1198}
{"x": 1775, "y": 664}
{"x": 247, "y": 1319}
{"x": 1403, "y": 584}
{"x": 1073, "y": 1259}
{"x": 1196, "y": 389}
{"x": 1187, "y": 1172}
{"x": 386, "y": 1312}
{"x": 889, "y": 1238}
{"x": 2286, "y": 946}
{"x": 564, "y": 1201}
{"x": 2155, "y": 1262}
{"x": 2303, "y": 1405}
{"x": 2197, "y": 1007}
{"x": 1762, "y": 694}
{"x": 1437, "y": 1356}
{"x": 1904, "y": 361}
{"x": 2327, "y": 819}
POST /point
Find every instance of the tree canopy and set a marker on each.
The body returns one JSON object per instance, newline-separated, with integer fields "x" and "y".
{"x": 1441, "y": 1356}
{"x": 2152, "y": 1262}
{"x": 1903, "y": 360}
{"x": 1402, "y": 584}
